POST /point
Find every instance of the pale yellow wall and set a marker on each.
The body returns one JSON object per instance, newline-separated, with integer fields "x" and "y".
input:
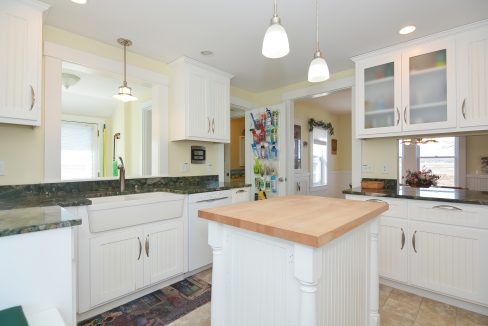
{"x": 342, "y": 129}
{"x": 376, "y": 152}
{"x": 476, "y": 146}
{"x": 179, "y": 153}
{"x": 236, "y": 128}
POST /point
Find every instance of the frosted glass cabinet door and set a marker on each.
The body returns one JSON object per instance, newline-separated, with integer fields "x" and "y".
{"x": 379, "y": 93}
{"x": 429, "y": 97}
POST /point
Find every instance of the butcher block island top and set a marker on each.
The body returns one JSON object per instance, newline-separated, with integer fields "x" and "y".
{"x": 308, "y": 220}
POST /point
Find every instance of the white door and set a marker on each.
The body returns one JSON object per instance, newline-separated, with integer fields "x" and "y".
{"x": 218, "y": 108}
{"x": 163, "y": 251}
{"x": 393, "y": 246}
{"x": 268, "y": 165}
{"x": 116, "y": 265}
{"x": 198, "y": 121}
{"x": 449, "y": 259}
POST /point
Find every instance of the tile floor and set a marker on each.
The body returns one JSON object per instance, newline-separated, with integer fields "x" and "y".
{"x": 397, "y": 308}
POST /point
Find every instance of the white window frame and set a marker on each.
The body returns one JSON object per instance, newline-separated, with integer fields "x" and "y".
{"x": 311, "y": 142}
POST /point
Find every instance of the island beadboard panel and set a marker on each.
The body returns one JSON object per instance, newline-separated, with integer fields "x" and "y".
{"x": 309, "y": 220}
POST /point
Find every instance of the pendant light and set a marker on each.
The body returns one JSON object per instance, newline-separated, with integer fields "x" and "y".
{"x": 275, "y": 42}
{"x": 125, "y": 92}
{"x": 318, "y": 70}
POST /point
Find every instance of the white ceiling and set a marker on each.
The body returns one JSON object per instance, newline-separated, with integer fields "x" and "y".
{"x": 339, "y": 102}
{"x": 233, "y": 30}
{"x": 92, "y": 95}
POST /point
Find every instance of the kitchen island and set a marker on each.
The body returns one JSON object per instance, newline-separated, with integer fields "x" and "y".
{"x": 295, "y": 260}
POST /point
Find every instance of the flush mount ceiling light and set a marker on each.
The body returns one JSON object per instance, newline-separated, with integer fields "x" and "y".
{"x": 318, "y": 70}
{"x": 80, "y": 2}
{"x": 125, "y": 92}
{"x": 407, "y": 30}
{"x": 206, "y": 52}
{"x": 69, "y": 80}
{"x": 275, "y": 42}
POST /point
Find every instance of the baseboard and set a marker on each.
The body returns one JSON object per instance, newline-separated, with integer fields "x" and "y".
{"x": 437, "y": 297}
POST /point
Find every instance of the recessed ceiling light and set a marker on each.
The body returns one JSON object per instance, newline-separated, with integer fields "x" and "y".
{"x": 407, "y": 29}
{"x": 206, "y": 52}
{"x": 81, "y": 2}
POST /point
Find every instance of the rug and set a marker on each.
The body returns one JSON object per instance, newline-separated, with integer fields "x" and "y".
{"x": 158, "y": 308}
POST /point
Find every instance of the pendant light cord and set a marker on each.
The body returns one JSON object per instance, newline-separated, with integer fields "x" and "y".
{"x": 275, "y": 9}
{"x": 125, "y": 65}
{"x": 317, "y": 22}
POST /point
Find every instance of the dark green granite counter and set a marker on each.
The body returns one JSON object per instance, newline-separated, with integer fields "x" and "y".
{"x": 450, "y": 195}
{"x": 33, "y": 219}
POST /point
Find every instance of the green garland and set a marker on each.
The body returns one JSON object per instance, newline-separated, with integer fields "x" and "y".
{"x": 312, "y": 123}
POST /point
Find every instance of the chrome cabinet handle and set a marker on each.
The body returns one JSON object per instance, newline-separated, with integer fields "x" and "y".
{"x": 147, "y": 246}
{"x": 447, "y": 207}
{"x": 208, "y": 131}
{"x": 33, "y": 98}
{"x": 140, "y": 248}
{"x": 463, "y": 109}
{"x": 298, "y": 186}
{"x": 240, "y": 191}
{"x": 376, "y": 200}
{"x": 403, "y": 239}
{"x": 213, "y": 125}
{"x": 413, "y": 242}
{"x": 405, "y": 115}
{"x": 398, "y": 116}
{"x": 211, "y": 200}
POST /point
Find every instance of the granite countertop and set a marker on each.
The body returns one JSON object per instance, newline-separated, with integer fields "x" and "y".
{"x": 462, "y": 196}
{"x": 33, "y": 219}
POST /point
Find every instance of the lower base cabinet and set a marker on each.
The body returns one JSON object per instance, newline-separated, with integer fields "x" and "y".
{"x": 126, "y": 260}
{"x": 393, "y": 254}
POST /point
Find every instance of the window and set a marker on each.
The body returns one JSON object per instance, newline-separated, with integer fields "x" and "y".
{"x": 439, "y": 156}
{"x": 319, "y": 157}
{"x": 79, "y": 150}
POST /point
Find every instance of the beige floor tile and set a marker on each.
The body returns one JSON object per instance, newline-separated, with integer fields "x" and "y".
{"x": 205, "y": 275}
{"x": 402, "y": 308}
{"x": 433, "y": 313}
{"x": 405, "y": 297}
{"x": 389, "y": 319}
{"x": 384, "y": 294}
{"x": 198, "y": 317}
{"x": 468, "y": 318}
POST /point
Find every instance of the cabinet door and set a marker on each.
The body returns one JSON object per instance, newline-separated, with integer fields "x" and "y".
{"x": 378, "y": 95}
{"x": 115, "y": 265}
{"x": 428, "y": 91}
{"x": 472, "y": 105}
{"x": 163, "y": 251}
{"x": 393, "y": 257}
{"x": 218, "y": 108}
{"x": 199, "y": 123}
{"x": 20, "y": 63}
{"x": 450, "y": 260}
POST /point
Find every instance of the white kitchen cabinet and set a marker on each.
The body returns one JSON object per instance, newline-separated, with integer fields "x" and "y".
{"x": 472, "y": 72}
{"x": 126, "y": 260}
{"x": 302, "y": 183}
{"x": 450, "y": 260}
{"x": 115, "y": 265}
{"x": 240, "y": 195}
{"x": 393, "y": 256}
{"x": 200, "y": 106}
{"x": 21, "y": 61}
{"x": 163, "y": 251}
{"x": 406, "y": 89}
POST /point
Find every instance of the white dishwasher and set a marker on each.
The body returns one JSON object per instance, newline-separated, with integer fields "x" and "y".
{"x": 199, "y": 252}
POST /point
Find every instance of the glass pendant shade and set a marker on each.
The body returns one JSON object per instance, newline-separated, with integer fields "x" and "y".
{"x": 275, "y": 43}
{"x": 318, "y": 71}
{"x": 125, "y": 94}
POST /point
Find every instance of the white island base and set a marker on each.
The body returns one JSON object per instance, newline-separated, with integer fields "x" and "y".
{"x": 261, "y": 280}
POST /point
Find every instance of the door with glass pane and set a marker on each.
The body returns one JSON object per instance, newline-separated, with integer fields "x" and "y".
{"x": 429, "y": 97}
{"x": 379, "y": 94}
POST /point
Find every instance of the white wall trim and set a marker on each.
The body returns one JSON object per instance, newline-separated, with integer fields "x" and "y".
{"x": 325, "y": 87}
{"x": 241, "y": 104}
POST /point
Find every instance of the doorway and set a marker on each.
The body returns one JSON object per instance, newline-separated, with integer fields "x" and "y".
{"x": 234, "y": 152}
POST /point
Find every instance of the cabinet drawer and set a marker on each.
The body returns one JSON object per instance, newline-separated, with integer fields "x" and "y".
{"x": 241, "y": 195}
{"x": 449, "y": 213}
{"x": 398, "y": 207}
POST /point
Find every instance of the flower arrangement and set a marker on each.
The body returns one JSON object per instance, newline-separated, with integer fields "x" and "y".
{"x": 421, "y": 178}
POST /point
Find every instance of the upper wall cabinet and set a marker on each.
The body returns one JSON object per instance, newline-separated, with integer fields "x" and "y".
{"x": 406, "y": 90}
{"x": 472, "y": 76}
{"x": 200, "y": 102}
{"x": 21, "y": 61}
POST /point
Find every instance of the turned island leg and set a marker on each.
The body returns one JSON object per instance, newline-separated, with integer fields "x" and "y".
{"x": 374, "y": 317}
{"x": 307, "y": 269}
{"x": 216, "y": 241}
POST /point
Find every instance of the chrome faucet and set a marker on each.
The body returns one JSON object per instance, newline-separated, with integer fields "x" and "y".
{"x": 121, "y": 168}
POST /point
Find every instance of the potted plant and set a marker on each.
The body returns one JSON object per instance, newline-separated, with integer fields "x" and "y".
{"x": 422, "y": 178}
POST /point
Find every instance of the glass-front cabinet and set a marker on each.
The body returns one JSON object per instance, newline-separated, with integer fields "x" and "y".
{"x": 408, "y": 90}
